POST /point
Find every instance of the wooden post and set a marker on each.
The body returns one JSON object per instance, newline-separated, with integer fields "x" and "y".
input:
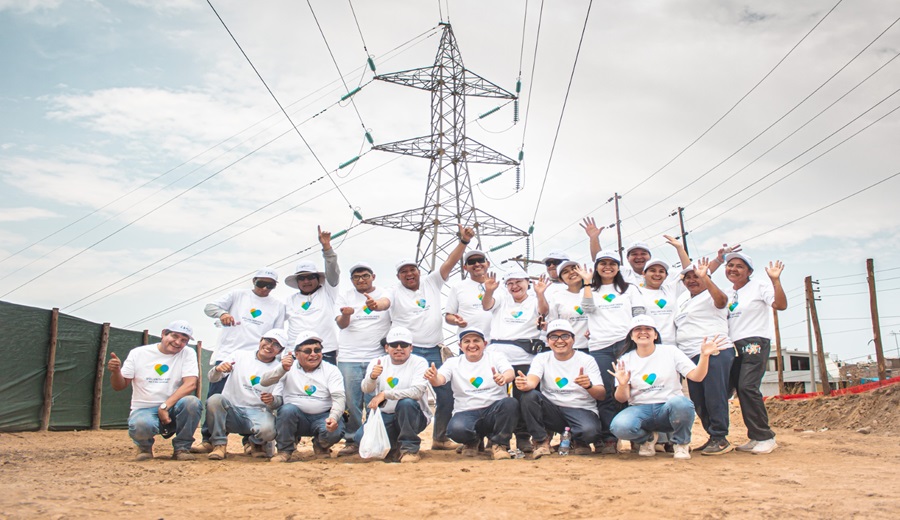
{"x": 98, "y": 379}
{"x": 146, "y": 339}
{"x": 820, "y": 350}
{"x": 876, "y": 326}
{"x": 51, "y": 369}
{"x": 812, "y": 354}
{"x": 779, "y": 361}
{"x": 199, "y": 370}
{"x": 618, "y": 228}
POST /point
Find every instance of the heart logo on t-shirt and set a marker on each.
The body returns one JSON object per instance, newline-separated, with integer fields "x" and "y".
{"x": 516, "y": 314}
{"x": 256, "y": 313}
{"x": 305, "y": 305}
{"x": 309, "y": 389}
{"x": 660, "y": 303}
{"x": 161, "y": 369}
{"x": 649, "y": 378}
{"x": 732, "y": 306}
{"x": 476, "y": 381}
{"x": 561, "y": 381}
{"x": 480, "y": 297}
{"x": 609, "y": 297}
{"x": 421, "y": 303}
{"x": 579, "y": 310}
{"x": 392, "y": 381}
{"x": 367, "y": 310}
{"x": 254, "y": 380}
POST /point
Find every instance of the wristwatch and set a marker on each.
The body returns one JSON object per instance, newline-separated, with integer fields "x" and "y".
{"x": 164, "y": 406}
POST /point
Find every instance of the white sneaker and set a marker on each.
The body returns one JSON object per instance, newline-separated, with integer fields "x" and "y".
{"x": 682, "y": 452}
{"x": 648, "y": 449}
{"x": 766, "y": 446}
{"x": 747, "y": 447}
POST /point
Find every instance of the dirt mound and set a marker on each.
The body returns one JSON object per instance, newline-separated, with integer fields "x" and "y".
{"x": 878, "y": 410}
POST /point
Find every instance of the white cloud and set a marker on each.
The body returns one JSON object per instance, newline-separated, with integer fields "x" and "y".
{"x": 25, "y": 213}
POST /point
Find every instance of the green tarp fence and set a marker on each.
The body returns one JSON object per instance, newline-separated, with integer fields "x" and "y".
{"x": 24, "y": 351}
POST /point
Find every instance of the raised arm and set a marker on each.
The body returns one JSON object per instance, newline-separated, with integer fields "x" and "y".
{"x": 679, "y": 248}
{"x": 465, "y": 236}
{"x": 593, "y": 233}
{"x": 332, "y": 269}
{"x": 774, "y": 271}
{"x": 490, "y": 285}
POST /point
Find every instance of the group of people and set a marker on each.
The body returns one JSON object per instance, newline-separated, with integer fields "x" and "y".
{"x": 600, "y": 351}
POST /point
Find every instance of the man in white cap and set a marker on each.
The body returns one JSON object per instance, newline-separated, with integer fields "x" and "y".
{"x": 552, "y": 261}
{"x": 313, "y": 307}
{"x": 416, "y": 306}
{"x": 463, "y": 307}
{"x": 363, "y": 323}
{"x": 570, "y": 386}
{"x": 313, "y": 399}
{"x": 245, "y": 406}
{"x": 481, "y": 406}
{"x": 397, "y": 381}
{"x": 244, "y": 315}
{"x": 164, "y": 378}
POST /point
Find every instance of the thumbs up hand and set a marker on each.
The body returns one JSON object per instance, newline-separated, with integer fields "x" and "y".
{"x": 498, "y": 377}
{"x": 522, "y": 381}
{"x": 377, "y": 370}
{"x": 583, "y": 380}
{"x": 431, "y": 375}
{"x": 114, "y": 364}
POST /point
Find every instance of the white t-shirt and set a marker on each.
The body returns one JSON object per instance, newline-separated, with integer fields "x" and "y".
{"x": 256, "y": 316}
{"x": 566, "y": 305}
{"x": 313, "y": 312}
{"x": 399, "y": 382}
{"x": 750, "y": 310}
{"x": 558, "y": 379}
{"x": 465, "y": 300}
{"x": 609, "y": 314}
{"x": 243, "y": 388}
{"x": 155, "y": 376}
{"x": 312, "y": 392}
{"x": 698, "y": 318}
{"x": 473, "y": 384}
{"x": 420, "y": 311}
{"x": 660, "y": 305}
{"x": 511, "y": 320}
{"x": 361, "y": 340}
{"x": 654, "y": 379}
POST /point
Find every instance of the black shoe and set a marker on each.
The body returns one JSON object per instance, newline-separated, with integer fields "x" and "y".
{"x": 717, "y": 447}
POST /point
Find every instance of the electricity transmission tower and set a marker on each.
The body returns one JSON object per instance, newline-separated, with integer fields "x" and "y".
{"x": 448, "y": 194}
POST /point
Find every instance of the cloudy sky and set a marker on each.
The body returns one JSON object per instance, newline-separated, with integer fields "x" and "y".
{"x": 145, "y": 168}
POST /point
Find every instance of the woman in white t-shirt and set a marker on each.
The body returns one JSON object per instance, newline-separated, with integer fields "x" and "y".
{"x": 609, "y": 310}
{"x": 750, "y": 325}
{"x": 566, "y": 304}
{"x": 648, "y": 378}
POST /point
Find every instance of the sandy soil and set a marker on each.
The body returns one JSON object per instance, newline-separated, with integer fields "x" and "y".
{"x": 816, "y": 473}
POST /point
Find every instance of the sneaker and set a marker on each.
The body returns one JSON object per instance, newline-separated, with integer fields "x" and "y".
{"x": 321, "y": 452}
{"x": 766, "y": 446}
{"x": 747, "y": 447}
{"x": 183, "y": 455}
{"x": 445, "y": 445}
{"x": 648, "y": 449}
{"x": 144, "y": 454}
{"x": 409, "y": 457}
{"x": 579, "y": 448}
{"x": 541, "y": 449}
{"x": 524, "y": 443}
{"x": 682, "y": 452}
{"x": 203, "y": 447}
{"x": 349, "y": 449}
{"x": 217, "y": 453}
{"x": 499, "y": 452}
{"x": 258, "y": 451}
{"x": 609, "y": 447}
{"x": 703, "y": 446}
{"x": 471, "y": 449}
{"x": 717, "y": 447}
{"x": 281, "y": 456}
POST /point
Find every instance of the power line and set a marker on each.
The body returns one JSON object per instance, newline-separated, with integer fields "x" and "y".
{"x": 537, "y": 39}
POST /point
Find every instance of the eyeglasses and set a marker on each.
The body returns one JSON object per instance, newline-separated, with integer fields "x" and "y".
{"x": 265, "y": 285}
{"x": 308, "y": 351}
{"x": 307, "y": 277}
{"x": 361, "y": 277}
{"x": 552, "y": 262}
{"x": 399, "y": 345}
{"x": 271, "y": 343}
{"x": 557, "y": 337}
{"x": 479, "y": 260}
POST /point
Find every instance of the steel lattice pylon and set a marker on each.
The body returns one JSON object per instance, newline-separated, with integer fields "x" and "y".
{"x": 448, "y": 195}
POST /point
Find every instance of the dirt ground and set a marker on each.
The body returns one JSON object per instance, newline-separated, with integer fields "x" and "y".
{"x": 824, "y": 468}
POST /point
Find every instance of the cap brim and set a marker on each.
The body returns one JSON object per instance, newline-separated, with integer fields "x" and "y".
{"x": 291, "y": 281}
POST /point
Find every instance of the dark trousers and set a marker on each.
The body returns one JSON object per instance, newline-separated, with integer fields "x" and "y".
{"x": 496, "y": 422}
{"x": 609, "y": 407}
{"x": 213, "y": 389}
{"x": 541, "y": 416}
{"x": 710, "y": 396}
{"x": 443, "y": 395}
{"x": 746, "y": 376}
{"x": 331, "y": 357}
{"x": 403, "y": 426}
{"x": 521, "y": 428}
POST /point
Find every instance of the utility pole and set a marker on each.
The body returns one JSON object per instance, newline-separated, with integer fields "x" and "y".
{"x": 876, "y": 326}
{"x": 779, "y": 361}
{"x": 684, "y": 234}
{"x": 814, "y": 318}
{"x": 812, "y": 354}
{"x": 616, "y": 198}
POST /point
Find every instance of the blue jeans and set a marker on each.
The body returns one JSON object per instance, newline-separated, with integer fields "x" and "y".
{"x": 710, "y": 396}
{"x": 223, "y": 418}
{"x": 403, "y": 426}
{"x": 211, "y": 390}
{"x": 609, "y": 407}
{"x": 353, "y": 373}
{"x": 639, "y": 421}
{"x": 143, "y": 423}
{"x": 496, "y": 422}
{"x": 541, "y": 416}
{"x": 291, "y": 424}
{"x": 443, "y": 395}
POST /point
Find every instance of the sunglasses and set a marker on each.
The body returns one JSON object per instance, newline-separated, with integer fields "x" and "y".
{"x": 308, "y": 351}
{"x": 265, "y": 285}
{"x": 556, "y": 337}
{"x": 307, "y": 277}
{"x": 399, "y": 345}
{"x": 473, "y": 261}
{"x": 551, "y": 263}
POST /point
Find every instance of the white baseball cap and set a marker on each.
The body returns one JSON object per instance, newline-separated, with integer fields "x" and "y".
{"x": 473, "y": 252}
{"x": 405, "y": 262}
{"x": 399, "y": 335}
{"x": 181, "y": 327}
{"x": 612, "y": 255}
{"x": 470, "y": 330}
{"x": 740, "y": 256}
{"x": 638, "y": 245}
{"x": 656, "y": 261}
{"x": 305, "y": 336}
{"x": 361, "y": 265}
{"x": 266, "y": 272}
{"x": 560, "y": 325}
{"x": 515, "y": 274}
{"x": 567, "y": 263}
{"x": 278, "y": 335}
{"x": 643, "y": 320}
{"x": 562, "y": 256}
{"x": 305, "y": 267}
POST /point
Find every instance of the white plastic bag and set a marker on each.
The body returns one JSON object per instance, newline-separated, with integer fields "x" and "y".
{"x": 375, "y": 443}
